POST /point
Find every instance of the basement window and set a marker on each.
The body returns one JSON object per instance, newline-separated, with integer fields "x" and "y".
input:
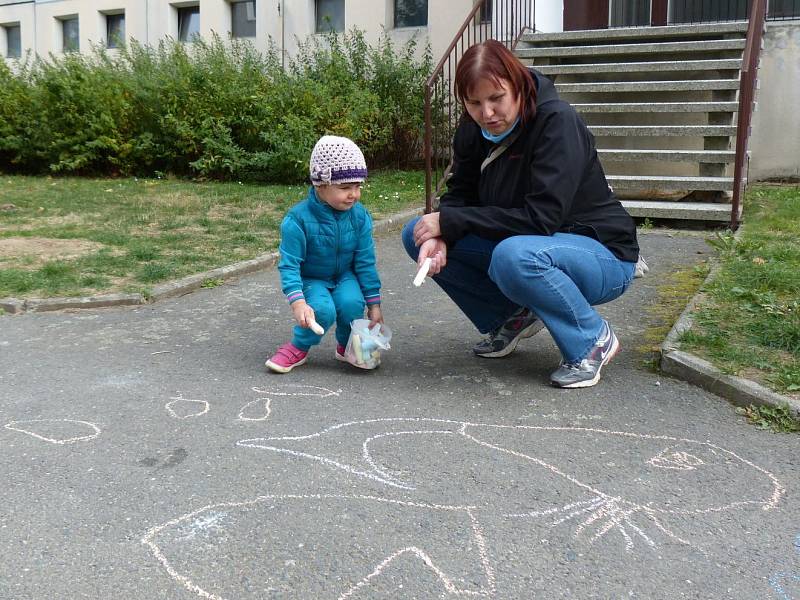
{"x": 330, "y": 15}
{"x": 115, "y": 30}
{"x": 188, "y": 23}
{"x": 243, "y": 18}
{"x": 410, "y": 13}
{"x": 13, "y": 40}
{"x": 70, "y": 30}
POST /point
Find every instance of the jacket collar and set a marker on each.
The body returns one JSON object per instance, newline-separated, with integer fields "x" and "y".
{"x": 322, "y": 210}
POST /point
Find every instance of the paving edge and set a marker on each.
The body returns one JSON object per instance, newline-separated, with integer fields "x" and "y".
{"x": 703, "y": 374}
{"x": 179, "y": 287}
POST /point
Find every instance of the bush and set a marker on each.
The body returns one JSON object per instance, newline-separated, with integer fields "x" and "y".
{"x": 215, "y": 110}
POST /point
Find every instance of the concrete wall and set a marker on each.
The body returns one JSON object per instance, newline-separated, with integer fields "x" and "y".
{"x": 775, "y": 141}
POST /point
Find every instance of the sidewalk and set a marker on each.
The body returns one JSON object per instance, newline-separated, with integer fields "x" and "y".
{"x": 148, "y": 454}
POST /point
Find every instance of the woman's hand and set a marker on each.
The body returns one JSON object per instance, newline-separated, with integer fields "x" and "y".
{"x": 436, "y": 250}
{"x": 374, "y": 314}
{"x": 303, "y": 313}
{"x": 427, "y": 228}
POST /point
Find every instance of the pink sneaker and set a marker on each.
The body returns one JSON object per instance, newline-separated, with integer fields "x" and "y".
{"x": 340, "y": 353}
{"x": 286, "y": 358}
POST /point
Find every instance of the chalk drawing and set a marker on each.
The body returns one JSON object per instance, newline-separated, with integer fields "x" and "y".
{"x": 355, "y": 579}
{"x": 203, "y": 525}
{"x": 185, "y": 406}
{"x": 38, "y": 428}
{"x": 594, "y": 513}
{"x": 305, "y": 390}
{"x": 265, "y": 406}
{"x": 779, "y": 581}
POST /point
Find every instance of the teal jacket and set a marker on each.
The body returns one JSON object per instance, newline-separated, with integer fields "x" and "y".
{"x": 318, "y": 242}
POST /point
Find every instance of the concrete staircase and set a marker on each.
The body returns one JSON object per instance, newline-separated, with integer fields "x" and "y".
{"x": 661, "y": 102}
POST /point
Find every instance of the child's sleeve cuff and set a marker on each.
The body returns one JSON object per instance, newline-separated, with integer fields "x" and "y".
{"x": 293, "y": 297}
{"x": 373, "y": 299}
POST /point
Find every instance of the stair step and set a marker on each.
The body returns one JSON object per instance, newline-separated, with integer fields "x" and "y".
{"x": 617, "y": 49}
{"x": 622, "y": 33}
{"x": 689, "y": 211}
{"x": 689, "y": 85}
{"x": 657, "y": 107}
{"x": 694, "y": 156}
{"x": 728, "y": 64}
{"x": 663, "y": 130}
{"x": 670, "y": 183}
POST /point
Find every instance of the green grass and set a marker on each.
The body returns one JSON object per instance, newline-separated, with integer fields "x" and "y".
{"x": 146, "y": 231}
{"x": 778, "y": 419}
{"x": 749, "y": 322}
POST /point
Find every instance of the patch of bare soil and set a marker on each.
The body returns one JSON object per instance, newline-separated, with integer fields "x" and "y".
{"x": 39, "y": 250}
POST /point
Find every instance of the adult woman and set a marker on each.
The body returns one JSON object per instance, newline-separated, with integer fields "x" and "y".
{"x": 529, "y": 231}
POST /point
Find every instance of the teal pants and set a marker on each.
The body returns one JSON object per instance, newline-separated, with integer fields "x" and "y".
{"x": 340, "y": 305}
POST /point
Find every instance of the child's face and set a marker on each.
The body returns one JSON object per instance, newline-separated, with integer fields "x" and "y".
{"x": 339, "y": 196}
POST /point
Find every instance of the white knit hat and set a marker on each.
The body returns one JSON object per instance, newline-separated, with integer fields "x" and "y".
{"x": 337, "y": 160}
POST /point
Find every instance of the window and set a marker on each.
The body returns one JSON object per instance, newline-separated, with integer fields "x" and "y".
{"x": 70, "y": 34}
{"x": 630, "y": 13}
{"x": 188, "y": 22}
{"x": 410, "y": 13}
{"x": 712, "y": 10}
{"x": 486, "y": 11}
{"x": 13, "y": 41}
{"x": 115, "y": 31}
{"x": 243, "y": 18}
{"x": 330, "y": 15}
{"x": 783, "y": 9}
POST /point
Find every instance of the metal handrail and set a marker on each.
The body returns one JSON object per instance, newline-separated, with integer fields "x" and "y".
{"x": 502, "y": 20}
{"x": 747, "y": 85}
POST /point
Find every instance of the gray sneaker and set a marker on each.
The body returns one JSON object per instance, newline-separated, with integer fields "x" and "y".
{"x": 586, "y": 372}
{"x": 503, "y": 340}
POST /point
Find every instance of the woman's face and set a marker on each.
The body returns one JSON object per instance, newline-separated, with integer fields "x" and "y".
{"x": 494, "y": 107}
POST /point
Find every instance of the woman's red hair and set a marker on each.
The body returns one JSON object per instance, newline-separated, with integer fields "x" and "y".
{"x": 492, "y": 60}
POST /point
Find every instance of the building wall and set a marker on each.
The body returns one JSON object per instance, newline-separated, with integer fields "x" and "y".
{"x": 775, "y": 141}
{"x": 283, "y": 22}
{"x": 549, "y": 16}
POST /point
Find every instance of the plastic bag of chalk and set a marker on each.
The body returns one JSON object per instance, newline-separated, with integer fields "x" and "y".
{"x": 365, "y": 346}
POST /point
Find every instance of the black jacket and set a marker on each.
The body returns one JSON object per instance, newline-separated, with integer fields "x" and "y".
{"x": 549, "y": 180}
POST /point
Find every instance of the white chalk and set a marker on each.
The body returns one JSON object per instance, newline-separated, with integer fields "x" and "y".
{"x": 316, "y": 327}
{"x": 423, "y": 272}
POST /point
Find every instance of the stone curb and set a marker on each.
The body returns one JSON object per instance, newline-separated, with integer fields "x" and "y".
{"x": 700, "y": 372}
{"x": 178, "y": 287}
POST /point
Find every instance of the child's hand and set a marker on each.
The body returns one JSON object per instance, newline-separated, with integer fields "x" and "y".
{"x": 303, "y": 313}
{"x": 374, "y": 314}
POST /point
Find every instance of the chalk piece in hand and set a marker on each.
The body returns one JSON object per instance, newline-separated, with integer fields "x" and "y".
{"x": 316, "y": 327}
{"x": 423, "y": 271}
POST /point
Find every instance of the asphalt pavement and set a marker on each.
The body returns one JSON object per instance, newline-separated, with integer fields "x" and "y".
{"x": 147, "y": 454}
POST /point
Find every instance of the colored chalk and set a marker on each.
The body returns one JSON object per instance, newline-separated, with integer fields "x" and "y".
{"x": 423, "y": 272}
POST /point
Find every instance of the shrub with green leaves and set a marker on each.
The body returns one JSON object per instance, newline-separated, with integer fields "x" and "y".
{"x": 211, "y": 110}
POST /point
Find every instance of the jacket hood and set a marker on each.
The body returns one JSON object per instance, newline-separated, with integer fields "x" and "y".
{"x": 545, "y": 90}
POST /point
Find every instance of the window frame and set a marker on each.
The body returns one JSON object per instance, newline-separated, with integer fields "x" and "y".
{"x": 120, "y": 39}
{"x": 7, "y": 27}
{"x": 398, "y": 25}
{"x": 233, "y": 5}
{"x": 318, "y": 29}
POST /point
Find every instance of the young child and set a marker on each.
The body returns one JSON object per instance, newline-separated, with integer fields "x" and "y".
{"x": 327, "y": 263}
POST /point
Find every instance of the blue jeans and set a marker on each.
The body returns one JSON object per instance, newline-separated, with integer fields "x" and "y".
{"x": 558, "y": 277}
{"x": 340, "y": 305}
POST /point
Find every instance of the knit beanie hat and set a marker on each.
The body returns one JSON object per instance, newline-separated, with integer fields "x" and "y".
{"x": 337, "y": 160}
